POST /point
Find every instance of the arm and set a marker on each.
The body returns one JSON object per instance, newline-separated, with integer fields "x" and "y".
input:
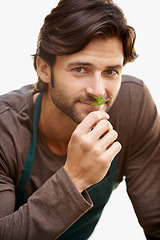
{"x": 143, "y": 166}
{"x": 49, "y": 211}
{"x": 58, "y": 203}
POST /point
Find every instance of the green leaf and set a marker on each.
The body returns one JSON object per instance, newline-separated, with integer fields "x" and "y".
{"x": 94, "y": 104}
{"x": 103, "y": 101}
{"x": 98, "y": 99}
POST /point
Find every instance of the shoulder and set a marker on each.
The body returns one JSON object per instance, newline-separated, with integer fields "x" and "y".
{"x": 128, "y": 79}
{"x": 16, "y": 110}
{"x": 132, "y": 104}
{"x": 130, "y": 86}
{"x": 134, "y": 116}
{"x": 16, "y": 100}
{"x": 130, "y": 96}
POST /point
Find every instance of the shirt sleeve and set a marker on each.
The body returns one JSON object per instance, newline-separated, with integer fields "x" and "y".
{"x": 143, "y": 165}
{"x": 49, "y": 211}
{"x": 56, "y": 205}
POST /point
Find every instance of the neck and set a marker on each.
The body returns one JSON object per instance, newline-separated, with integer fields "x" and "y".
{"x": 55, "y": 126}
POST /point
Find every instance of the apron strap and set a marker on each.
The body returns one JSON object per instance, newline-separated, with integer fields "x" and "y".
{"x": 21, "y": 197}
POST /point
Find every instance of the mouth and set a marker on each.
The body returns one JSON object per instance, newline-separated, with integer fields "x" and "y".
{"x": 89, "y": 107}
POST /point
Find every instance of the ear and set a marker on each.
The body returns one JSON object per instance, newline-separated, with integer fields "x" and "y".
{"x": 43, "y": 70}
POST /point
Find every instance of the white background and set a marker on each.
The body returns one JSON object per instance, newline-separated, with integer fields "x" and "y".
{"x": 20, "y": 22}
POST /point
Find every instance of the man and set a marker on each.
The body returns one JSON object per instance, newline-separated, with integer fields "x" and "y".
{"x": 59, "y": 161}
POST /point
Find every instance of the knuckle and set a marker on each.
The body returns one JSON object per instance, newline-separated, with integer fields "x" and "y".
{"x": 110, "y": 156}
{"x": 105, "y": 124}
{"x": 75, "y": 135}
{"x": 108, "y": 125}
{"x": 97, "y": 151}
{"x": 86, "y": 143}
{"x": 114, "y": 134}
{"x": 113, "y": 151}
{"x": 83, "y": 141}
{"x": 98, "y": 115}
{"x": 118, "y": 146}
{"x": 95, "y": 116}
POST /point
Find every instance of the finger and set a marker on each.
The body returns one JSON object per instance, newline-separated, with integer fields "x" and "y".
{"x": 112, "y": 151}
{"x": 108, "y": 139}
{"x": 102, "y": 127}
{"x": 91, "y": 119}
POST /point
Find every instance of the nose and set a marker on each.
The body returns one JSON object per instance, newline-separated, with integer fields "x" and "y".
{"x": 96, "y": 87}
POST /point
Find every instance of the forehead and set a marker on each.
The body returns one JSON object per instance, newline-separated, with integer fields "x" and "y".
{"x": 97, "y": 52}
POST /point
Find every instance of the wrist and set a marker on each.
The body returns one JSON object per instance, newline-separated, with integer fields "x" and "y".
{"x": 79, "y": 183}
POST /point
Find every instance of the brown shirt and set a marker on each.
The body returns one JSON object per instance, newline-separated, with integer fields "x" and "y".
{"x": 54, "y": 202}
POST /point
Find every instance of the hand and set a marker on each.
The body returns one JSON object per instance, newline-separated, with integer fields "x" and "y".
{"x": 89, "y": 156}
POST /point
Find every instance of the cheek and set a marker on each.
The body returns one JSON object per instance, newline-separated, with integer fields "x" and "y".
{"x": 117, "y": 87}
{"x": 75, "y": 88}
{"x": 112, "y": 88}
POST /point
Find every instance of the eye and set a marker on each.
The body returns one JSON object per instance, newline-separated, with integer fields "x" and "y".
{"x": 111, "y": 73}
{"x": 79, "y": 70}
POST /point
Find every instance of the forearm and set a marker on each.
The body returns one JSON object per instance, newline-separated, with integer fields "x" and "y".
{"x": 48, "y": 213}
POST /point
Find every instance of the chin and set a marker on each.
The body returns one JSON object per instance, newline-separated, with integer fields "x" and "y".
{"x": 78, "y": 118}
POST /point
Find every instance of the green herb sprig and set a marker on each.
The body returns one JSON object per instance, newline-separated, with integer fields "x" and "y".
{"x": 100, "y": 101}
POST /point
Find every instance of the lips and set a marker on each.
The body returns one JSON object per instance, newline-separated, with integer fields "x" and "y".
{"x": 88, "y": 106}
{"x": 87, "y": 103}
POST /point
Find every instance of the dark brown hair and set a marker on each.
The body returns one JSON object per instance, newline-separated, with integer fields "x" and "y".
{"x": 74, "y": 23}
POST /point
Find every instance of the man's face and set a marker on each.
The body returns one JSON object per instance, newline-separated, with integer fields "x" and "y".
{"x": 79, "y": 78}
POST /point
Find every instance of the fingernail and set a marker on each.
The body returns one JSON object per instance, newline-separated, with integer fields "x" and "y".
{"x": 107, "y": 115}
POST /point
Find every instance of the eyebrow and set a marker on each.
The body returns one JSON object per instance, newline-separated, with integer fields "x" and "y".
{"x": 116, "y": 66}
{"x": 73, "y": 64}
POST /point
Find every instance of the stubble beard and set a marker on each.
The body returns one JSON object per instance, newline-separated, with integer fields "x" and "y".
{"x": 69, "y": 110}
{"x": 60, "y": 101}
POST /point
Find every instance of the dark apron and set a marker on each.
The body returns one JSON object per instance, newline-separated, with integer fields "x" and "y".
{"x": 99, "y": 193}
{"x": 21, "y": 197}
